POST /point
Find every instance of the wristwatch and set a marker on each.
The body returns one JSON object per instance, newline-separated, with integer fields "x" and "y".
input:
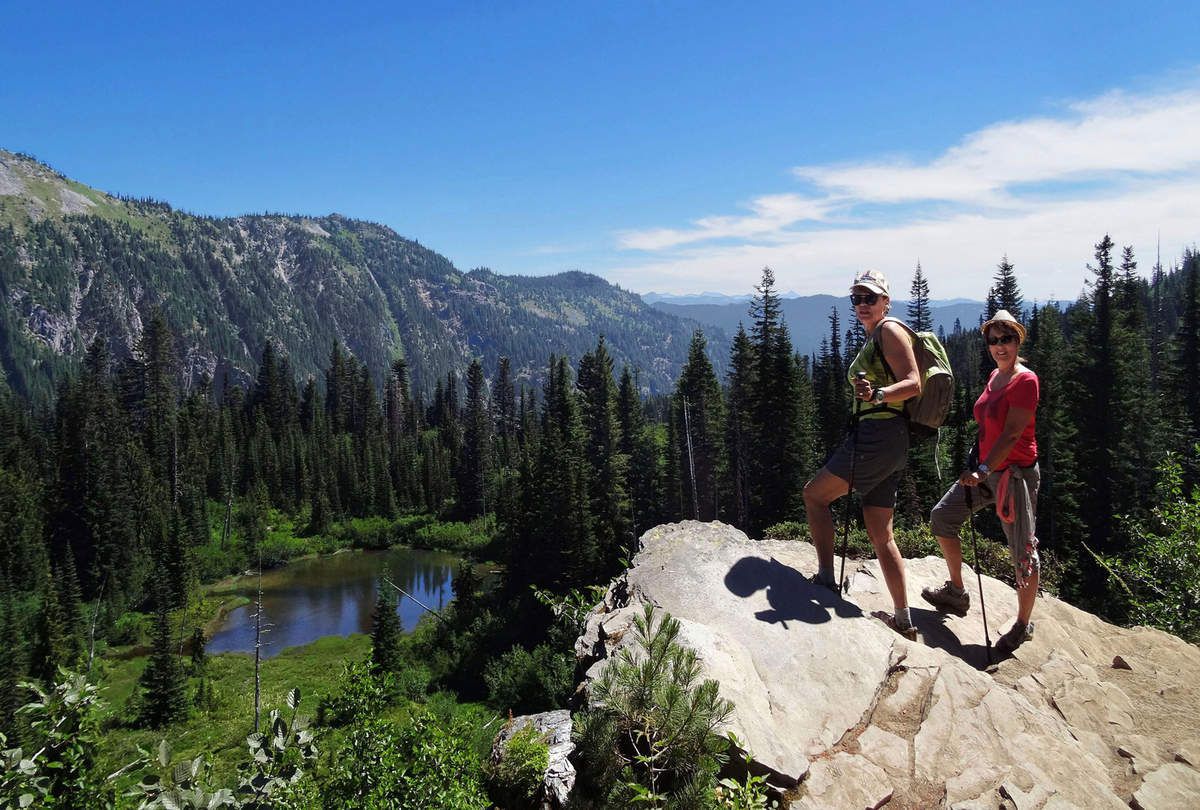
{"x": 983, "y": 469}
{"x": 877, "y": 397}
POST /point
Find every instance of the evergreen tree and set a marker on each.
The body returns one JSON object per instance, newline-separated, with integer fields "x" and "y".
{"x": 163, "y": 682}
{"x": 1059, "y": 527}
{"x": 920, "y": 317}
{"x": 1005, "y": 293}
{"x": 52, "y": 642}
{"x": 698, "y": 414}
{"x": 386, "y": 632}
{"x": 779, "y": 440}
{"x": 476, "y": 446}
{"x": 607, "y": 465}
{"x": 505, "y": 400}
{"x": 739, "y": 425}
{"x": 1185, "y": 379}
{"x": 638, "y": 445}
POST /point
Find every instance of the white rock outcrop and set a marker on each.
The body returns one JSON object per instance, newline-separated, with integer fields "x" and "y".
{"x": 845, "y": 713}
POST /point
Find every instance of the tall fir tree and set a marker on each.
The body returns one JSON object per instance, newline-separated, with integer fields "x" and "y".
{"x": 739, "y": 427}
{"x": 607, "y": 489}
{"x": 476, "y": 445}
{"x": 386, "y": 632}
{"x": 163, "y": 681}
{"x": 698, "y": 413}
{"x": 638, "y": 446}
{"x": 920, "y": 316}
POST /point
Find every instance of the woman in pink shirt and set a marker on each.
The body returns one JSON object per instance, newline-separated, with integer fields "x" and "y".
{"x": 1007, "y": 476}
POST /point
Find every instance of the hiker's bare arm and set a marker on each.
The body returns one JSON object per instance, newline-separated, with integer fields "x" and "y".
{"x": 1014, "y": 426}
{"x": 897, "y": 350}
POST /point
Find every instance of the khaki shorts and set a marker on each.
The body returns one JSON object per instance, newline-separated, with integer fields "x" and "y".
{"x": 882, "y": 452}
{"x": 951, "y": 512}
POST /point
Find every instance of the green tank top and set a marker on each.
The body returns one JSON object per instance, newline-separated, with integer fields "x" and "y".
{"x": 870, "y": 360}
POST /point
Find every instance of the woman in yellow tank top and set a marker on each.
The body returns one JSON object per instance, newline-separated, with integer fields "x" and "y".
{"x": 875, "y": 453}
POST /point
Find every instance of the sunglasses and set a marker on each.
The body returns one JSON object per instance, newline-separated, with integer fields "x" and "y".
{"x": 1003, "y": 340}
{"x": 865, "y": 298}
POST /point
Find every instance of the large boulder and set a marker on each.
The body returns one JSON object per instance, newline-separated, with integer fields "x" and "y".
{"x": 843, "y": 712}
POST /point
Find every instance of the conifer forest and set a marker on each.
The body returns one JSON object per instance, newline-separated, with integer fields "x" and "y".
{"x": 133, "y": 492}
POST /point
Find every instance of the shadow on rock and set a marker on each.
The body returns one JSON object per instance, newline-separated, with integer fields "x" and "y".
{"x": 789, "y": 593}
{"x": 931, "y": 624}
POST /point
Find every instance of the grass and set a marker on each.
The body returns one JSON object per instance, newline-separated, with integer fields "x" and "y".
{"x": 220, "y": 731}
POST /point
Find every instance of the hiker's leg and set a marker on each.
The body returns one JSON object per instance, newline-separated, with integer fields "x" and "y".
{"x": 819, "y": 493}
{"x": 946, "y": 520}
{"x": 879, "y": 529}
{"x": 1026, "y": 596}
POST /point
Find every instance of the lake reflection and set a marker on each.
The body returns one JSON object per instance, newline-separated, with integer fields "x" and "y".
{"x": 328, "y": 596}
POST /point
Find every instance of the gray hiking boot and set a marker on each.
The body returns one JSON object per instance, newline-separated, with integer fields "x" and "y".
{"x": 1017, "y": 635}
{"x": 948, "y": 597}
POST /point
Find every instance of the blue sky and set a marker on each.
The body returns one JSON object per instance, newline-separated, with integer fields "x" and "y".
{"x": 665, "y": 146}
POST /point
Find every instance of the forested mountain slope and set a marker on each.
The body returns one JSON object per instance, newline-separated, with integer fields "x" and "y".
{"x": 76, "y": 263}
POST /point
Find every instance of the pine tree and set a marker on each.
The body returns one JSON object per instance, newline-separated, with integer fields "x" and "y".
{"x": 739, "y": 425}
{"x": 1059, "y": 527}
{"x": 920, "y": 317}
{"x": 1005, "y": 293}
{"x": 386, "y": 632}
{"x": 642, "y": 472}
{"x": 699, "y": 419}
{"x": 607, "y": 465}
{"x": 51, "y": 642}
{"x": 163, "y": 681}
{"x": 1186, "y": 372}
{"x": 476, "y": 460}
{"x": 779, "y": 440}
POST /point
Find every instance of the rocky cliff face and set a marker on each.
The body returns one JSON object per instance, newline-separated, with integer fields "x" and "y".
{"x": 845, "y": 713}
{"x": 76, "y": 263}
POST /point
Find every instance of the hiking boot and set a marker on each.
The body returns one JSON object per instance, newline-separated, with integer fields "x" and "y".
{"x": 1017, "y": 635}
{"x": 909, "y": 632}
{"x": 815, "y": 579}
{"x": 948, "y": 597}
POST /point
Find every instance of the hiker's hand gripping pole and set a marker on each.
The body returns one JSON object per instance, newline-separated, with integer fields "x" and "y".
{"x": 861, "y": 375}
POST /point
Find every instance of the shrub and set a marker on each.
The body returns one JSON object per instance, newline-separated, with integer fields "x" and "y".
{"x": 132, "y": 628}
{"x": 516, "y": 779}
{"x": 420, "y": 763}
{"x": 1159, "y": 578}
{"x": 656, "y": 724}
{"x": 56, "y": 768}
{"x": 360, "y": 693}
{"x": 788, "y": 530}
{"x": 526, "y": 682}
{"x": 451, "y": 536}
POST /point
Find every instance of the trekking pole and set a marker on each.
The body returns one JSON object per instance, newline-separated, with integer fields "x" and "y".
{"x": 987, "y": 640}
{"x": 862, "y": 375}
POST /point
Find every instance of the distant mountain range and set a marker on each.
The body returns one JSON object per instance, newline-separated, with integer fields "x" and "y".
{"x": 807, "y": 317}
{"x": 76, "y": 263}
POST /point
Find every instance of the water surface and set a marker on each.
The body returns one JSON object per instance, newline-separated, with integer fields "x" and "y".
{"x": 334, "y": 596}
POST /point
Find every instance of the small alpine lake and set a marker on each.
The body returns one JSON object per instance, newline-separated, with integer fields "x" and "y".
{"x": 332, "y": 596}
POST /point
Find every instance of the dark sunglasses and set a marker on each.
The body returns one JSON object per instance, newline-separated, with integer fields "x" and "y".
{"x": 1003, "y": 340}
{"x": 865, "y": 298}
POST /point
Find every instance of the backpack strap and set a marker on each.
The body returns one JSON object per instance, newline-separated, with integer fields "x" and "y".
{"x": 877, "y": 339}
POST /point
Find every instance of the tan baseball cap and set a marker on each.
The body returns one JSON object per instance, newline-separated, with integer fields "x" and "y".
{"x": 873, "y": 280}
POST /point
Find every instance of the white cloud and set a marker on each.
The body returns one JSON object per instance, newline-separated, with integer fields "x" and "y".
{"x": 772, "y": 212}
{"x": 1043, "y": 190}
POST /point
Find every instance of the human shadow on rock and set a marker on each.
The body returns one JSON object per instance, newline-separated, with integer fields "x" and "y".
{"x": 789, "y": 593}
{"x": 931, "y": 624}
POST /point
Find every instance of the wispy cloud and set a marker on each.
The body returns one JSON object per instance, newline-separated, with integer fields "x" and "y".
{"x": 771, "y": 213}
{"x": 1042, "y": 190}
